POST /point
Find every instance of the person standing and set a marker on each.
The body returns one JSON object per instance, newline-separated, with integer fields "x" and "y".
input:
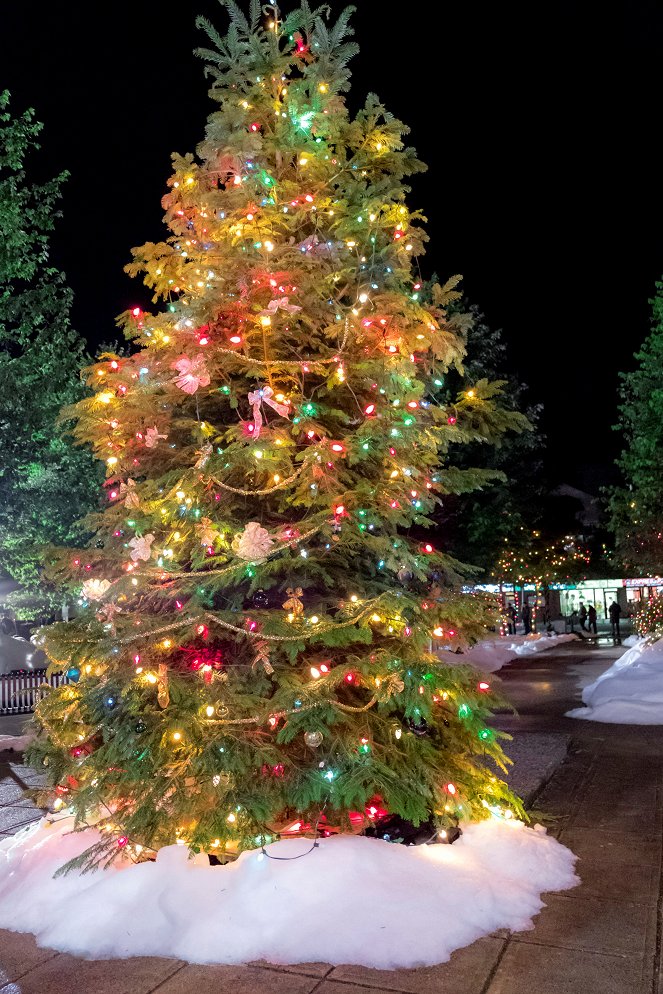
{"x": 615, "y": 612}
{"x": 526, "y": 616}
{"x": 591, "y": 616}
{"x": 582, "y": 616}
{"x": 512, "y": 615}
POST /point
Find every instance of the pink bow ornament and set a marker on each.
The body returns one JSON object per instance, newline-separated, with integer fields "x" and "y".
{"x": 94, "y": 590}
{"x": 254, "y": 543}
{"x": 264, "y": 396}
{"x": 152, "y": 436}
{"x": 141, "y": 547}
{"x": 279, "y": 303}
{"x": 192, "y": 373}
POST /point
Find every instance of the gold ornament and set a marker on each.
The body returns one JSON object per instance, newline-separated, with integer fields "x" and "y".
{"x": 163, "y": 695}
{"x": 262, "y": 657}
{"x": 294, "y": 603}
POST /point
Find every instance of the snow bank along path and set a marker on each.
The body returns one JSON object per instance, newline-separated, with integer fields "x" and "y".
{"x": 351, "y": 900}
{"x": 631, "y": 691}
{"x": 492, "y": 654}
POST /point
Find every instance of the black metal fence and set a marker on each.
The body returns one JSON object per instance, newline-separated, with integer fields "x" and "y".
{"x": 19, "y": 692}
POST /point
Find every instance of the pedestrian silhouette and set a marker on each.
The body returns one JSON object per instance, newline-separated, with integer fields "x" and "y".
{"x": 591, "y": 617}
{"x": 615, "y": 612}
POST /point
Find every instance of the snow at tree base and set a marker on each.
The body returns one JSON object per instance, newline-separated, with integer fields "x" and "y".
{"x": 254, "y": 660}
{"x": 350, "y": 900}
{"x": 631, "y": 691}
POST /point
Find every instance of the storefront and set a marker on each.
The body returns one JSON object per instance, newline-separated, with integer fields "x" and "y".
{"x": 565, "y": 598}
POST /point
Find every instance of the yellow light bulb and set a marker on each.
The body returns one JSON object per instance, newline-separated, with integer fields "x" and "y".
{"x": 314, "y": 619}
{"x": 231, "y": 818}
{"x": 112, "y": 460}
{"x": 209, "y": 710}
{"x": 180, "y": 495}
{"x": 104, "y": 397}
{"x": 177, "y": 736}
{"x": 265, "y": 320}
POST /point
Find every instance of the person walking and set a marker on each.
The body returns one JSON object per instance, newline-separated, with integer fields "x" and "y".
{"x": 591, "y": 617}
{"x": 582, "y": 616}
{"x": 526, "y": 616}
{"x": 615, "y": 612}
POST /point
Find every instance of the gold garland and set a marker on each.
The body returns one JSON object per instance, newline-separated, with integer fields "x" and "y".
{"x": 260, "y": 493}
{"x": 319, "y": 629}
{"x": 259, "y": 720}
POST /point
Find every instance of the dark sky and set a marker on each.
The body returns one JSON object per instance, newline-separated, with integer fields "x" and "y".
{"x": 543, "y": 189}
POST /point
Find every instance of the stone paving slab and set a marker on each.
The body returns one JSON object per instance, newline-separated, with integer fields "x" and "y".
{"x": 19, "y": 953}
{"x": 465, "y": 973}
{"x": 597, "y": 926}
{"x": 235, "y": 980}
{"x": 64, "y": 974}
{"x": 534, "y": 969}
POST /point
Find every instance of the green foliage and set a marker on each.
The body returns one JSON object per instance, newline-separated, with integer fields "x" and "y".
{"x": 46, "y": 483}
{"x": 635, "y": 506}
{"x": 285, "y": 390}
{"x": 507, "y": 444}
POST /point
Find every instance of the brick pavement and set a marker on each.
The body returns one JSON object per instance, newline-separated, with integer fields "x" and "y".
{"x": 605, "y": 802}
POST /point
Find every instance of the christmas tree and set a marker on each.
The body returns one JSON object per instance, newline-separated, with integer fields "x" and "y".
{"x": 636, "y": 505}
{"x": 46, "y": 483}
{"x": 255, "y": 658}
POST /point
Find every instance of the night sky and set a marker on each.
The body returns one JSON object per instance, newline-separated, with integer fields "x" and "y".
{"x": 543, "y": 189}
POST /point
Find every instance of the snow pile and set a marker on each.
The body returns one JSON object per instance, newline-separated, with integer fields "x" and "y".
{"x": 350, "y": 900}
{"x": 631, "y": 691}
{"x": 15, "y": 743}
{"x": 492, "y": 654}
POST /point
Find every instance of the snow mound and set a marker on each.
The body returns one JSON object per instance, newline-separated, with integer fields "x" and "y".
{"x": 631, "y": 691}
{"x": 493, "y": 654}
{"x": 350, "y": 900}
{"x": 631, "y": 641}
{"x": 15, "y": 743}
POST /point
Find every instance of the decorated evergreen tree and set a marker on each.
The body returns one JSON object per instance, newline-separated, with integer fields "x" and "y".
{"x": 256, "y": 658}
{"x": 532, "y": 558}
{"x": 635, "y": 506}
{"x": 46, "y": 483}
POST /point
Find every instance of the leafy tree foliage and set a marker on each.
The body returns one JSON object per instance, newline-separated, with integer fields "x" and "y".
{"x": 635, "y": 506}
{"x": 46, "y": 483}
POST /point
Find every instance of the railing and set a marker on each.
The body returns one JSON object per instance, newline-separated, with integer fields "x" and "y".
{"x": 19, "y": 692}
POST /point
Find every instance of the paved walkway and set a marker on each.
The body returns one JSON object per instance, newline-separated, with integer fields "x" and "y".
{"x": 603, "y": 937}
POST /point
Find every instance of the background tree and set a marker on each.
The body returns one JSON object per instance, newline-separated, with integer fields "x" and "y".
{"x": 507, "y": 444}
{"x": 635, "y": 506}
{"x": 256, "y": 657}
{"x": 46, "y": 483}
{"x": 538, "y": 560}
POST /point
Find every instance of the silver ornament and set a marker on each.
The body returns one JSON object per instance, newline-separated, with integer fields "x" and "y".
{"x": 313, "y": 739}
